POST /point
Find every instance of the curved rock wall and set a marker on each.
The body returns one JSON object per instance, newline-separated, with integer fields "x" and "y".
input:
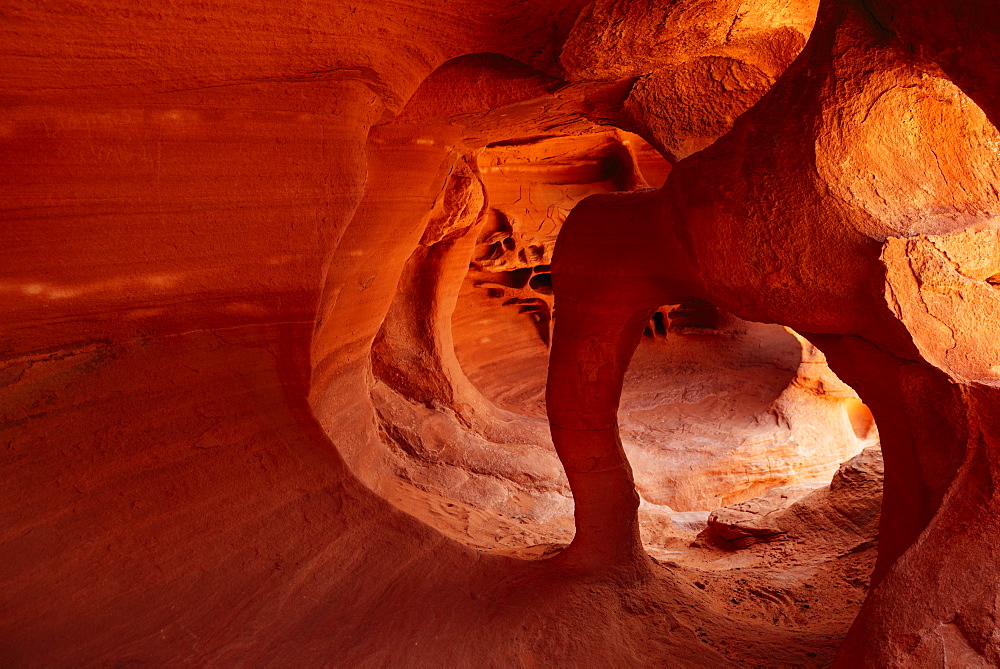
{"x": 209, "y": 211}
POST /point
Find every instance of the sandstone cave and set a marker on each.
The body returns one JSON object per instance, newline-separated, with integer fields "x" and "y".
{"x": 572, "y": 333}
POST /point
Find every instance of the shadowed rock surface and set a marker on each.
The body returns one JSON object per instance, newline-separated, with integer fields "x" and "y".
{"x": 436, "y": 334}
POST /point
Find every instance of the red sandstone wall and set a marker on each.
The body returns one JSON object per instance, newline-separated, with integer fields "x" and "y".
{"x": 201, "y": 229}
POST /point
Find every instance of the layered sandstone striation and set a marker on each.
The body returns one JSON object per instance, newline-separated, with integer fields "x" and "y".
{"x": 845, "y": 513}
{"x": 407, "y": 334}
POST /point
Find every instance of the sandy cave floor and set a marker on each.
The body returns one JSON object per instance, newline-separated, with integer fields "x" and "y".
{"x": 801, "y": 588}
{"x": 797, "y": 594}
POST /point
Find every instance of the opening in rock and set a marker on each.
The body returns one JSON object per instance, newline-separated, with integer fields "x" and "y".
{"x": 716, "y": 411}
{"x": 733, "y": 429}
{"x": 238, "y": 241}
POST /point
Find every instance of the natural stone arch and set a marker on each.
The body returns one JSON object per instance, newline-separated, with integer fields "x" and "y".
{"x": 749, "y": 219}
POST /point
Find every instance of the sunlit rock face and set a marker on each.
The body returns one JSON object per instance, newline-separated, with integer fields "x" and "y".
{"x": 499, "y": 333}
{"x": 710, "y": 415}
{"x": 846, "y": 513}
{"x": 714, "y": 413}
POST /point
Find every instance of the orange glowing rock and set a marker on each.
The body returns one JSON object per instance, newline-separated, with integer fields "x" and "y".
{"x": 318, "y": 323}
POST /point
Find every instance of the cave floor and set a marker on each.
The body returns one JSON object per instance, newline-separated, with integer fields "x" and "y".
{"x": 796, "y": 599}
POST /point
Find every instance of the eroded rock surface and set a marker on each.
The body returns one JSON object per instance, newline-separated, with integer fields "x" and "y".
{"x": 845, "y": 513}
{"x": 238, "y": 317}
